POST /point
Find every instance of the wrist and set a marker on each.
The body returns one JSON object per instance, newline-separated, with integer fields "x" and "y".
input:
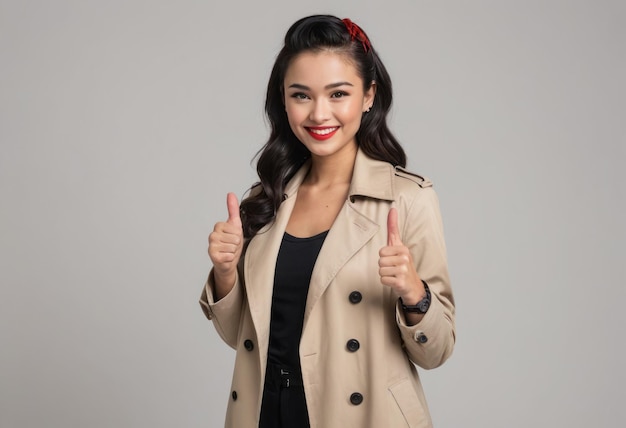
{"x": 420, "y": 306}
{"x": 223, "y": 283}
{"x": 414, "y": 295}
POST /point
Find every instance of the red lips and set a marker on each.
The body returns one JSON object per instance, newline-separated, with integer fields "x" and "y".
{"x": 323, "y": 136}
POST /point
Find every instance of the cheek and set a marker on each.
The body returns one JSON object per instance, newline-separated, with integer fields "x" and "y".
{"x": 296, "y": 114}
{"x": 350, "y": 112}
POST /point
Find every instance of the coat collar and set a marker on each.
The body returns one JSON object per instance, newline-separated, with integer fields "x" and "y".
{"x": 371, "y": 178}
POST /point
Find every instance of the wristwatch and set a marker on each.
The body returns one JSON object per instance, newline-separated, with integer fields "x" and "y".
{"x": 420, "y": 307}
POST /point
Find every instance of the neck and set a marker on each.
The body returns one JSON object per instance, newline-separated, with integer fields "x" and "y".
{"x": 328, "y": 171}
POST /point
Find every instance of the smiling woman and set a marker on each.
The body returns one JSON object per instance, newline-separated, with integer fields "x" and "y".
{"x": 331, "y": 279}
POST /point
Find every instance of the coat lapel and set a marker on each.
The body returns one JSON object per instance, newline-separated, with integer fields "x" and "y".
{"x": 260, "y": 262}
{"x": 351, "y": 229}
{"x": 349, "y": 233}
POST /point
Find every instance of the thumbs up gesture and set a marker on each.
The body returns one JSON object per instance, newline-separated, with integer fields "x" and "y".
{"x": 396, "y": 267}
{"x": 225, "y": 246}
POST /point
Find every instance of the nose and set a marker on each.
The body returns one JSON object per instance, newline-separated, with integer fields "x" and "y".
{"x": 320, "y": 112}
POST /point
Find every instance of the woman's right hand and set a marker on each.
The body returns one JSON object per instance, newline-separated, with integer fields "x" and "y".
{"x": 225, "y": 246}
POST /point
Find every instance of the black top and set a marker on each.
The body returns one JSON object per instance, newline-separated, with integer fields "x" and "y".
{"x": 294, "y": 266}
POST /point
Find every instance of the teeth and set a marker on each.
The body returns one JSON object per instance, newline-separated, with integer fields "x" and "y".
{"x": 322, "y": 131}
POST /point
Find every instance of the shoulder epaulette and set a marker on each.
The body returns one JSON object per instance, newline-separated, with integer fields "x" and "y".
{"x": 419, "y": 179}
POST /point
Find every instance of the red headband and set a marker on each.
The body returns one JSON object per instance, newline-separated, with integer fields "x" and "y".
{"x": 357, "y": 34}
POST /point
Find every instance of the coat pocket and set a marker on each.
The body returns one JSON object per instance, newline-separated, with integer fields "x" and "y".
{"x": 409, "y": 404}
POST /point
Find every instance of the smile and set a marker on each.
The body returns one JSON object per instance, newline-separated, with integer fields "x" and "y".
{"x": 322, "y": 133}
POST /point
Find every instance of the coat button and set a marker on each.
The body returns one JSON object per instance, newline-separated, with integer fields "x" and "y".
{"x": 234, "y": 395}
{"x": 248, "y": 344}
{"x": 355, "y": 297}
{"x": 353, "y": 345}
{"x": 421, "y": 337}
{"x": 356, "y": 398}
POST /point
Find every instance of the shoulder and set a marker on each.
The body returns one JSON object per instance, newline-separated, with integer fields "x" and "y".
{"x": 402, "y": 175}
{"x": 409, "y": 185}
{"x": 417, "y": 204}
{"x": 413, "y": 192}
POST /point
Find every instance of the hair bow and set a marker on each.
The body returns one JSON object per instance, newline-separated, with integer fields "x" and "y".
{"x": 357, "y": 34}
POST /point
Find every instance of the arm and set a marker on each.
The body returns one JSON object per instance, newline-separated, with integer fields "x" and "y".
{"x": 222, "y": 296}
{"x": 431, "y": 340}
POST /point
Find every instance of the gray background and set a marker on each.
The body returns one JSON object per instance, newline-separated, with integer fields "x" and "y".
{"x": 124, "y": 123}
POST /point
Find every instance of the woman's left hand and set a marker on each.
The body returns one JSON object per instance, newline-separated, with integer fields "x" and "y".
{"x": 396, "y": 267}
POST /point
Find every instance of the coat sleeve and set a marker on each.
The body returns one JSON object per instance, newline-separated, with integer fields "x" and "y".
{"x": 226, "y": 312}
{"x": 428, "y": 343}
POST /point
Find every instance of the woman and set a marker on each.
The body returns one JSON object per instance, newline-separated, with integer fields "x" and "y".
{"x": 330, "y": 281}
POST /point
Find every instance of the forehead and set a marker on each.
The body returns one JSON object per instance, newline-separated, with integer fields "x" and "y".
{"x": 321, "y": 68}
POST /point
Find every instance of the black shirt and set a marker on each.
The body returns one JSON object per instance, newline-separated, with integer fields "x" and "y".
{"x": 294, "y": 266}
{"x": 284, "y": 401}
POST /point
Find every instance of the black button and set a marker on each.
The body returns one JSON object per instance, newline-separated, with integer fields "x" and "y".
{"x": 353, "y": 345}
{"x": 356, "y": 398}
{"x": 355, "y": 297}
{"x": 234, "y": 395}
{"x": 248, "y": 344}
{"x": 421, "y": 338}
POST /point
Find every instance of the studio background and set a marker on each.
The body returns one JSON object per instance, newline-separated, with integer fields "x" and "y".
{"x": 123, "y": 124}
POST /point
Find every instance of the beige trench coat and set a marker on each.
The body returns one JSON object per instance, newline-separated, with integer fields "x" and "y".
{"x": 382, "y": 369}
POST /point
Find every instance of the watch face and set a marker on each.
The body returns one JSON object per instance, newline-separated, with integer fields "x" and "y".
{"x": 423, "y": 306}
{"x": 420, "y": 307}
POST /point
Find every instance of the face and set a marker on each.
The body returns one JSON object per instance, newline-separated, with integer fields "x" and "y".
{"x": 324, "y": 99}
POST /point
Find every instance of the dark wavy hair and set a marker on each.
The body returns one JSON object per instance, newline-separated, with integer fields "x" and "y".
{"x": 284, "y": 154}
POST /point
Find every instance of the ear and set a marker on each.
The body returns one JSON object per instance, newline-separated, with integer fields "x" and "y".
{"x": 368, "y": 96}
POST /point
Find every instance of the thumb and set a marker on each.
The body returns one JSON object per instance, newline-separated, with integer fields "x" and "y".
{"x": 393, "y": 234}
{"x": 233, "y": 209}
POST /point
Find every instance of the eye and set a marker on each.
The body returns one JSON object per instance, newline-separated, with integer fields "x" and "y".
{"x": 299, "y": 96}
{"x": 339, "y": 94}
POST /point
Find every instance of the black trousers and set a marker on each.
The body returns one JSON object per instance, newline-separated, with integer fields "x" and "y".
{"x": 284, "y": 402}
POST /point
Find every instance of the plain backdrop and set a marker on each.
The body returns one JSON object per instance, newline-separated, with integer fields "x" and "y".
{"x": 123, "y": 124}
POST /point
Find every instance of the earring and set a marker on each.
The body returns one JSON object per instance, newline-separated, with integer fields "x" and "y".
{"x": 368, "y": 109}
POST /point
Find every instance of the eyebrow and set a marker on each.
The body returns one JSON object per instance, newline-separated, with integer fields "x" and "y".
{"x": 331, "y": 86}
